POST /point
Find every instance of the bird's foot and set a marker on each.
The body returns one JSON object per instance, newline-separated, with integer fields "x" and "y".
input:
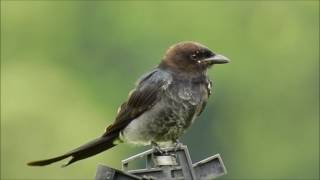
{"x": 177, "y": 145}
{"x": 157, "y": 149}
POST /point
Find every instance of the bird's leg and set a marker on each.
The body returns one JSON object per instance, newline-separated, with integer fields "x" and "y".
{"x": 156, "y": 148}
{"x": 177, "y": 145}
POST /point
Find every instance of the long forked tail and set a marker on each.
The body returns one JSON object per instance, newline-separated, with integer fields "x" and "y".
{"x": 87, "y": 150}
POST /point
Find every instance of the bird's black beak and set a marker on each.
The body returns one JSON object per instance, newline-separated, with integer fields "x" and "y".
{"x": 217, "y": 59}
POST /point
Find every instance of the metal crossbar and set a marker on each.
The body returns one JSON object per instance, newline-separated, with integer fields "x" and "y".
{"x": 173, "y": 163}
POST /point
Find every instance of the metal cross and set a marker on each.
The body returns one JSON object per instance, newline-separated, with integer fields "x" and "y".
{"x": 174, "y": 163}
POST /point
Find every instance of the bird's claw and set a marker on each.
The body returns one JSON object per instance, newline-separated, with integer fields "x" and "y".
{"x": 157, "y": 149}
{"x": 177, "y": 145}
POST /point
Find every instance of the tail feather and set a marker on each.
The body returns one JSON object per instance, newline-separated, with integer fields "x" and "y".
{"x": 87, "y": 150}
{"x": 47, "y": 161}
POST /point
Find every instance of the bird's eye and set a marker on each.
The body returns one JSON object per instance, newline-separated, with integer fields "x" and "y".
{"x": 194, "y": 56}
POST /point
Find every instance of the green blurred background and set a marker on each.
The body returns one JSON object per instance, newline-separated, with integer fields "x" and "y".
{"x": 66, "y": 66}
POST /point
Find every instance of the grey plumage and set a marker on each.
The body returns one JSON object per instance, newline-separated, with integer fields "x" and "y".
{"x": 163, "y": 105}
{"x": 180, "y": 100}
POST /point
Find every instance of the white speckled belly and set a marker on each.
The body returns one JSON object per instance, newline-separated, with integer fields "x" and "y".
{"x": 165, "y": 122}
{"x": 138, "y": 132}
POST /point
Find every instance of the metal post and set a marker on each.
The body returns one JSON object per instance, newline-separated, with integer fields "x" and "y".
{"x": 174, "y": 164}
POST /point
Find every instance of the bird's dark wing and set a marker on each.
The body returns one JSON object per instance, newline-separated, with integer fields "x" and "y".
{"x": 141, "y": 99}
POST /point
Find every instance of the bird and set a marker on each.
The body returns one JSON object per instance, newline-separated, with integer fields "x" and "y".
{"x": 161, "y": 107}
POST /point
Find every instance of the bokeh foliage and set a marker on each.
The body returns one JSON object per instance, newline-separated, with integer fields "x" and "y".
{"x": 67, "y": 65}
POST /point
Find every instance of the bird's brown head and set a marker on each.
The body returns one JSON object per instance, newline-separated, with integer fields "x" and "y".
{"x": 191, "y": 57}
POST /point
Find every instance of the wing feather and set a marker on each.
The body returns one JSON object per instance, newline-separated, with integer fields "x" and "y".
{"x": 143, "y": 98}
